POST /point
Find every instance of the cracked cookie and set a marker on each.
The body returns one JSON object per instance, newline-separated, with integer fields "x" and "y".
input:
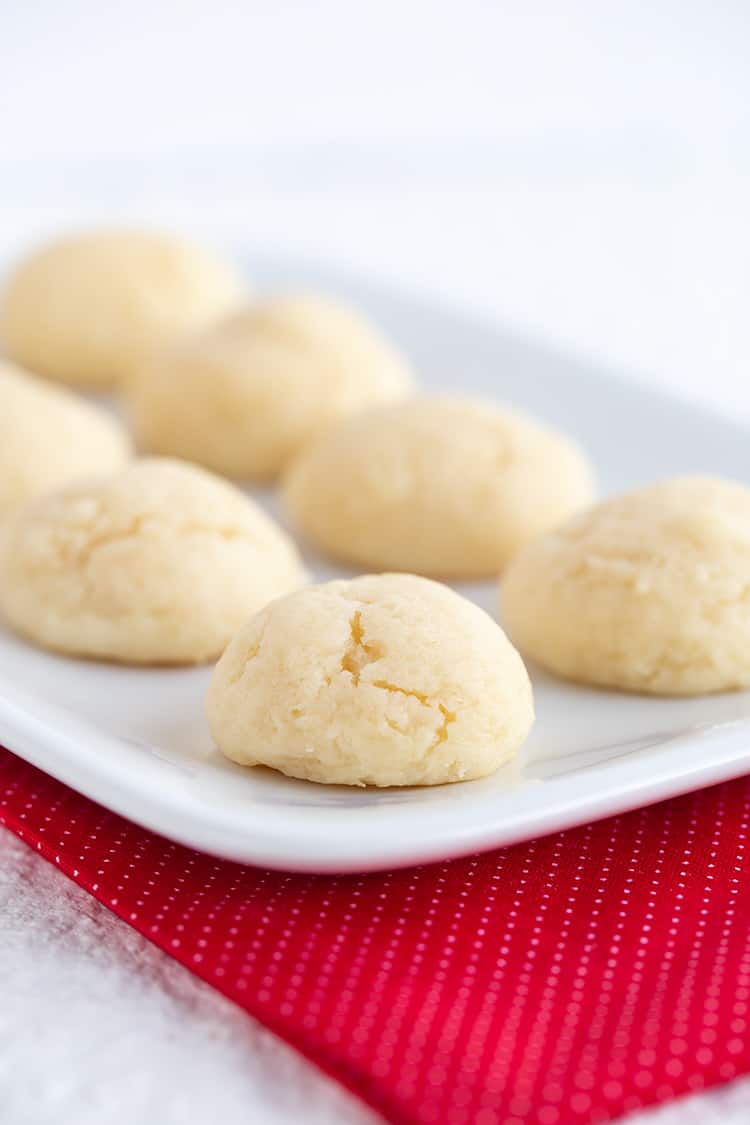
{"x": 448, "y": 487}
{"x": 244, "y": 396}
{"x": 647, "y": 592}
{"x": 49, "y": 437}
{"x": 382, "y": 680}
{"x": 158, "y": 564}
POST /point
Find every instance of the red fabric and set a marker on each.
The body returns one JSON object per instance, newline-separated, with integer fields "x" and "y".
{"x": 563, "y": 981}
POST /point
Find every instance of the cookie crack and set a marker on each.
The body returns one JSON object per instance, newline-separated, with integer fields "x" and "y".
{"x": 441, "y": 734}
{"x": 138, "y": 523}
{"x": 131, "y": 531}
{"x": 384, "y": 685}
{"x": 359, "y": 653}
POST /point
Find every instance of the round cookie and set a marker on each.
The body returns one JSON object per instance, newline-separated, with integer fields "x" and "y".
{"x": 87, "y": 308}
{"x": 647, "y": 592}
{"x": 383, "y": 680}
{"x": 449, "y": 487}
{"x": 159, "y": 564}
{"x": 245, "y": 396}
{"x": 49, "y": 437}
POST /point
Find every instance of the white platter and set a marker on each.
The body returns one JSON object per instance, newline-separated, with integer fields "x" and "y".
{"x": 137, "y": 741}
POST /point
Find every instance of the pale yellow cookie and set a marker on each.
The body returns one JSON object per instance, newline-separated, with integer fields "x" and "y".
{"x": 648, "y": 592}
{"x": 245, "y": 396}
{"x": 87, "y": 308}
{"x": 449, "y": 487}
{"x": 382, "y": 680}
{"x": 49, "y": 437}
{"x": 160, "y": 563}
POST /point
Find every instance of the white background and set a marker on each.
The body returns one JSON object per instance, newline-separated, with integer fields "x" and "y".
{"x": 580, "y": 170}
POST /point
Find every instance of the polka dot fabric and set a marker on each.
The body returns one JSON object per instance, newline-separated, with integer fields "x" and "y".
{"x": 564, "y": 981}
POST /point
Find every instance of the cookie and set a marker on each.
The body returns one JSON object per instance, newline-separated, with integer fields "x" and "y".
{"x": 49, "y": 437}
{"x": 383, "y": 680}
{"x": 648, "y": 592}
{"x": 158, "y": 564}
{"x": 87, "y": 308}
{"x": 447, "y": 487}
{"x": 247, "y": 395}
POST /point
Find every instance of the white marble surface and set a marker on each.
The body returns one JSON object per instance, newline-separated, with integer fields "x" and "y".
{"x": 98, "y": 1026}
{"x": 581, "y": 171}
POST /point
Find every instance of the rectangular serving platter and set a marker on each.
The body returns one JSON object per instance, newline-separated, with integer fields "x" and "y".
{"x": 136, "y": 740}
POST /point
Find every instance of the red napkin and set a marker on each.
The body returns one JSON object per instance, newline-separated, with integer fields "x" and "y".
{"x": 566, "y": 980}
